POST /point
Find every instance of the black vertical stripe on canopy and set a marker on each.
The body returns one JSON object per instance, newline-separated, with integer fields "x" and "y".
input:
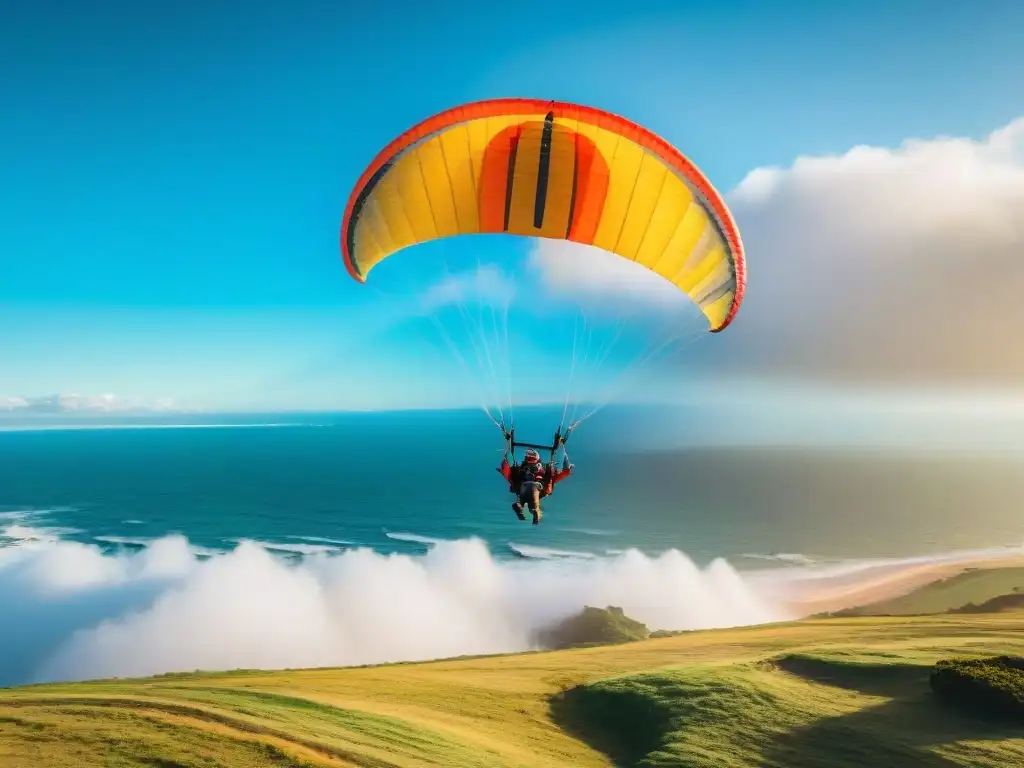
{"x": 510, "y": 177}
{"x": 543, "y": 171}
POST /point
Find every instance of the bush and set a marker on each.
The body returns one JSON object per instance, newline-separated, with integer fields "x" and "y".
{"x": 593, "y": 626}
{"x": 1010, "y": 602}
{"x": 992, "y": 688}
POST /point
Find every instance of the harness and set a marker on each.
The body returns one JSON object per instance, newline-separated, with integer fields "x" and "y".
{"x": 532, "y": 473}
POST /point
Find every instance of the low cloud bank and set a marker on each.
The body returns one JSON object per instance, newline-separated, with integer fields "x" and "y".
{"x": 72, "y": 612}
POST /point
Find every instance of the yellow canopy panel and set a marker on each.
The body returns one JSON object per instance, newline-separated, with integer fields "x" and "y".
{"x": 555, "y": 170}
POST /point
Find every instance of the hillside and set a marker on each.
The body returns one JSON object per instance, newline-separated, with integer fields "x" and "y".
{"x": 836, "y": 692}
{"x": 593, "y": 626}
{"x": 972, "y": 586}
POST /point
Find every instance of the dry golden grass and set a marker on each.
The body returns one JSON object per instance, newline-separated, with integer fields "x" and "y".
{"x": 784, "y": 695}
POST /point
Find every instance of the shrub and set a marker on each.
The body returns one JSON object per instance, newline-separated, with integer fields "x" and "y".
{"x": 1009, "y": 602}
{"x": 992, "y": 687}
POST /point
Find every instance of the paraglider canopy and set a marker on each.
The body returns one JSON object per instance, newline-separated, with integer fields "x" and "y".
{"x": 553, "y": 170}
{"x": 560, "y": 171}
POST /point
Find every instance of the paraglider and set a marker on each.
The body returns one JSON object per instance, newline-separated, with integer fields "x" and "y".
{"x": 551, "y": 170}
{"x": 531, "y": 481}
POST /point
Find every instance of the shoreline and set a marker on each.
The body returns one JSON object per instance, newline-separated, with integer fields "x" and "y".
{"x": 824, "y": 593}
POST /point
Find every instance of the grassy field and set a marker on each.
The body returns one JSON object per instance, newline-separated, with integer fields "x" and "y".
{"x": 829, "y": 692}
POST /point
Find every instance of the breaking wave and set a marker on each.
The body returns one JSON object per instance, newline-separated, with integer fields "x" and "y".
{"x": 293, "y": 549}
{"x": 794, "y": 558}
{"x": 413, "y": 538}
{"x": 322, "y": 540}
{"x": 531, "y": 552}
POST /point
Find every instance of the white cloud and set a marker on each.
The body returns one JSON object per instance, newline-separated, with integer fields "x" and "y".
{"x": 487, "y": 284}
{"x": 593, "y": 274}
{"x": 893, "y": 264}
{"x": 884, "y": 264}
{"x": 75, "y": 403}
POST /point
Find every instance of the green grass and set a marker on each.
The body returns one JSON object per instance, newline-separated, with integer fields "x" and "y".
{"x": 750, "y": 715}
{"x": 975, "y": 586}
{"x": 829, "y": 692}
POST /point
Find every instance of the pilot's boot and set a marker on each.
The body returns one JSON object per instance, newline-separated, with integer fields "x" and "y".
{"x": 517, "y": 507}
{"x": 534, "y": 504}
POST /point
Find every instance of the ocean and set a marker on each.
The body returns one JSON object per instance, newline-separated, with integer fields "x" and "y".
{"x": 137, "y": 545}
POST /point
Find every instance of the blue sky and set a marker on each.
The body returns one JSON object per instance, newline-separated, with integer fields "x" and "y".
{"x": 175, "y": 174}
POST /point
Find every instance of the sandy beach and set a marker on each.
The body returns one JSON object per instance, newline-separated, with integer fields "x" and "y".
{"x": 822, "y": 590}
